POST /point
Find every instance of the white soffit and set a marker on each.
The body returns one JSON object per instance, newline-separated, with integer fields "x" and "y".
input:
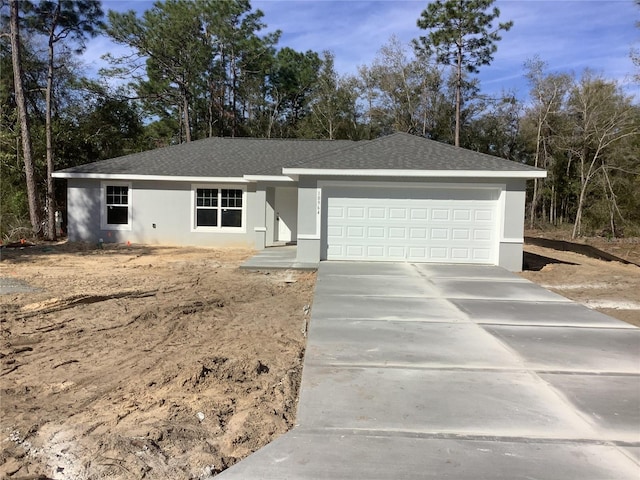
{"x": 417, "y": 173}
{"x": 168, "y": 178}
{"x": 268, "y": 178}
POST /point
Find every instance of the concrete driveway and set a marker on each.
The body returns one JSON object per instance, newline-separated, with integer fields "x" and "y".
{"x": 419, "y": 371}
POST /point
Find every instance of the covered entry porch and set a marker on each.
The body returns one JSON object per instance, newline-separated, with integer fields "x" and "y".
{"x": 279, "y": 223}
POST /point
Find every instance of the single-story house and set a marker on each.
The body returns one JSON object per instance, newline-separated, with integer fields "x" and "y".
{"x": 395, "y": 198}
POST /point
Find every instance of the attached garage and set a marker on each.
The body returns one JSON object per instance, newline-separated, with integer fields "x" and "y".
{"x": 444, "y": 224}
{"x": 410, "y": 199}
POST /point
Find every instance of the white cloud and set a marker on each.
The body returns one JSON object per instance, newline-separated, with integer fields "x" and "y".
{"x": 570, "y": 35}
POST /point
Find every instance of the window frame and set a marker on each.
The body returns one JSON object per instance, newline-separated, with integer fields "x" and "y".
{"x": 219, "y": 228}
{"x": 104, "y": 206}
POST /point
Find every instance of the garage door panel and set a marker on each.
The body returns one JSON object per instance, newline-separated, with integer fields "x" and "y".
{"x": 438, "y": 253}
{"x": 376, "y": 224}
{"x": 356, "y": 251}
{"x": 439, "y": 234}
{"x": 440, "y": 214}
{"x": 375, "y": 252}
{"x": 397, "y": 233}
{"x": 377, "y": 213}
{"x": 482, "y": 254}
{"x": 335, "y": 251}
{"x": 396, "y": 253}
{"x": 460, "y": 254}
{"x": 461, "y": 215}
{"x": 398, "y": 213}
{"x": 335, "y": 212}
{"x": 481, "y": 235}
{"x": 418, "y": 253}
{"x": 460, "y": 234}
{"x": 418, "y": 233}
{"x": 356, "y": 213}
{"x": 376, "y": 232}
{"x": 335, "y": 231}
{"x": 356, "y": 232}
{"x": 484, "y": 215}
{"x": 419, "y": 214}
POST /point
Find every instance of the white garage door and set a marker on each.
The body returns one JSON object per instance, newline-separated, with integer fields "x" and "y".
{"x": 419, "y": 225}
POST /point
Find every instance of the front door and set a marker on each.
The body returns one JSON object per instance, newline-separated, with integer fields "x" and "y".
{"x": 286, "y": 214}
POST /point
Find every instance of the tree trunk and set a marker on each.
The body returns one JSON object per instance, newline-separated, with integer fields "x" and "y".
{"x": 234, "y": 94}
{"x": 51, "y": 197}
{"x": 577, "y": 226}
{"x": 185, "y": 116}
{"x": 458, "y": 97}
{"x": 534, "y": 199}
{"x": 23, "y": 115}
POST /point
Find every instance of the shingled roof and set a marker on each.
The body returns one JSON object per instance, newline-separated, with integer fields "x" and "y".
{"x": 239, "y": 157}
{"x": 401, "y": 151}
{"x": 211, "y": 157}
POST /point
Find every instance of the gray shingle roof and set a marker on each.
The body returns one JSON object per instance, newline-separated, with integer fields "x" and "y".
{"x": 401, "y": 151}
{"x": 235, "y": 157}
{"x": 213, "y": 157}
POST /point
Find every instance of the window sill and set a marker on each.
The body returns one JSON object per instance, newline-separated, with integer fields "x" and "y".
{"x": 219, "y": 230}
{"x": 125, "y": 228}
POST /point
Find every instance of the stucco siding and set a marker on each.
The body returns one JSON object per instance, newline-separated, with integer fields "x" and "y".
{"x": 83, "y": 210}
{"x": 161, "y": 214}
{"x": 308, "y": 221}
{"x": 512, "y": 238}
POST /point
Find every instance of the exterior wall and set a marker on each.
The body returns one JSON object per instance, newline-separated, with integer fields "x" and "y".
{"x": 161, "y": 213}
{"x": 312, "y": 202}
{"x": 512, "y": 234}
{"x": 83, "y": 211}
{"x": 309, "y": 210}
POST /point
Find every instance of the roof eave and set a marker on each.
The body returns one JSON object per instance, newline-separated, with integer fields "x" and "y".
{"x": 416, "y": 173}
{"x": 166, "y": 178}
{"x": 268, "y": 178}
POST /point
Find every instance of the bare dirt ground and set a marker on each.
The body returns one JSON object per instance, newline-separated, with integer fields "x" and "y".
{"x": 136, "y": 362}
{"x": 610, "y": 287}
{"x": 171, "y": 363}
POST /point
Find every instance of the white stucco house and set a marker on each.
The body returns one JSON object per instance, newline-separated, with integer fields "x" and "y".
{"x": 395, "y": 198}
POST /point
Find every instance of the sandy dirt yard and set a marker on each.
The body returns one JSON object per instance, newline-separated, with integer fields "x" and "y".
{"x": 610, "y": 287}
{"x": 167, "y": 363}
{"x": 135, "y": 362}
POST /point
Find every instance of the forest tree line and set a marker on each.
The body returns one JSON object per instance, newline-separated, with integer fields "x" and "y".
{"x": 206, "y": 68}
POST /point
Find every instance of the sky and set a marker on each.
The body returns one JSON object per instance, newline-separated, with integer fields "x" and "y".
{"x": 569, "y": 35}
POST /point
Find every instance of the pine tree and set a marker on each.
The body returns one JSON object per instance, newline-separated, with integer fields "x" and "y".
{"x": 23, "y": 116}
{"x": 61, "y": 21}
{"x": 461, "y": 34}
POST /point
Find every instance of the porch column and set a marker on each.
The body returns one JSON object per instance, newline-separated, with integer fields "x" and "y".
{"x": 260, "y": 228}
{"x": 309, "y": 212}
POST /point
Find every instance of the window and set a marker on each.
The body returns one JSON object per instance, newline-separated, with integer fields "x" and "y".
{"x": 219, "y": 208}
{"x": 117, "y": 205}
{"x": 116, "y": 209}
{"x": 207, "y": 207}
{"x": 231, "y": 208}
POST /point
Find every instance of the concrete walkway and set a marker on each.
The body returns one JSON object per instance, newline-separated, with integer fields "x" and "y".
{"x": 277, "y": 258}
{"x": 462, "y": 372}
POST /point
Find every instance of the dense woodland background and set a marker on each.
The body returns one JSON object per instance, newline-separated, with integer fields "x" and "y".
{"x": 204, "y": 68}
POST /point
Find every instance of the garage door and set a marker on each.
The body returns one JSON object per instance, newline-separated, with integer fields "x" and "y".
{"x": 419, "y": 225}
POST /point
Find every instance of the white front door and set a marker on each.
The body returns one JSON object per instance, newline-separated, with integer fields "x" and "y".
{"x": 418, "y": 225}
{"x": 286, "y": 207}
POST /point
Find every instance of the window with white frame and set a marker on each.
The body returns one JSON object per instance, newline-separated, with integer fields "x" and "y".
{"x": 218, "y": 208}
{"x": 116, "y": 210}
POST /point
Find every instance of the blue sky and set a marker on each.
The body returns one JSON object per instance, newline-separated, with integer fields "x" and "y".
{"x": 570, "y": 35}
